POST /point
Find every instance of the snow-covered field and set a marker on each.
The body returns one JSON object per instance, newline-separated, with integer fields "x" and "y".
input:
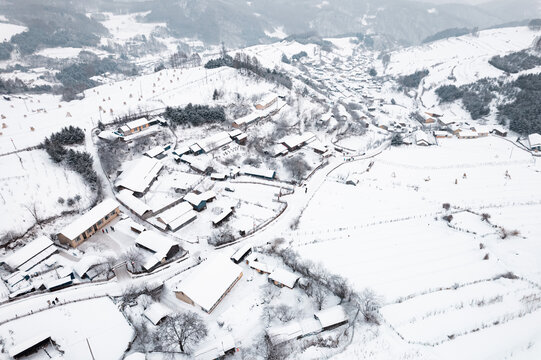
{"x": 8, "y": 30}
{"x": 30, "y": 181}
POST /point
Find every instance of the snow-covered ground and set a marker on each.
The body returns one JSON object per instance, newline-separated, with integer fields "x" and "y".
{"x": 8, "y": 30}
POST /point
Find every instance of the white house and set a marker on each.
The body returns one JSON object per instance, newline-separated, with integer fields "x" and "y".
{"x": 160, "y": 247}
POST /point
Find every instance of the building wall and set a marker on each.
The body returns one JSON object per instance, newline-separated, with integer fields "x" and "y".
{"x": 225, "y": 293}
{"x": 89, "y": 232}
{"x": 181, "y": 296}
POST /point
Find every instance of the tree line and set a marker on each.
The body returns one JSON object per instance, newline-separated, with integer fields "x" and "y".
{"x": 195, "y": 115}
{"x": 78, "y": 161}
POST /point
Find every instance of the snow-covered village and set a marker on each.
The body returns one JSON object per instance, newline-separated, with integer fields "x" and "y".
{"x": 222, "y": 179}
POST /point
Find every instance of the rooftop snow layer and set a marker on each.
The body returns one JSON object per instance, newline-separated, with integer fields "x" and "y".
{"x": 85, "y": 221}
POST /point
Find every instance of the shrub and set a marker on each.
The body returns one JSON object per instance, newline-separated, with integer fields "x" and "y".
{"x": 396, "y": 140}
{"x": 285, "y": 60}
{"x": 299, "y": 55}
{"x": 195, "y": 115}
{"x": 413, "y": 80}
{"x": 448, "y": 93}
{"x": 448, "y": 218}
{"x": 486, "y": 257}
{"x": 515, "y": 62}
{"x": 446, "y": 206}
{"x": 372, "y": 72}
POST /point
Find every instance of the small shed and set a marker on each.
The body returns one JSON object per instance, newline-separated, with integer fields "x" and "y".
{"x": 332, "y": 317}
{"x": 281, "y": 278}
{"x": 216, "y": 349}
{"x": 156, "y": 312}
{"x": 534, "y": 140}
{"x": 260, "y": 267}
{"x": 241, "y": 253}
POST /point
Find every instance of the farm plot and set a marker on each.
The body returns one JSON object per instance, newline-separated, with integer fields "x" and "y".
{"x": 33, "y": 185}
{"x": 400, "y": 258}
{"x": 443, "y": 315}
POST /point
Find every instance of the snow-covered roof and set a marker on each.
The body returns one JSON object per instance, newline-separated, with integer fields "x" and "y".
{"x": 27, "y": 344}
{"x": 59, "y": 282}
{"x": 139, "y": 174}
{"x": 136, "y": 356}
{"x": 155, "y": 151}
{"x": 225, "y": 213}
{"x": 310, "y": 326}
{"x": 282, "y": 333}
{"x": 136, "y": 123}
{"x": 155, "y": 242}
{"x": 261, "y": 172}
{"x": 278, "y": 149}
{"x": 442, "y": 133}
{"x": 482, "y": 129}
{"x": 241, "y": 252}
{"x": 170, "y": 215}
{"x": 317, "y": 146}
{"x": 284, "y": 277}
{"x": 183, "y": 220}
{"x": 250, "y": 118}
{"x": 534, "y": 140}
{"x": 31, "y": 254}
{"x": 85, "y": 221}
{"x": 235, "y": 132}
{"x": 331, "y": 316}
{"x": 209, "y": 281}
{"x": 136, "y": 205}
{"x": 83, "y": 265}
{"x": 215, "y": 141}
{"x": 267, "y": 99}
{"x": 292, "y": 141}
{"x": 194, "y": 199}
{"x": 215, "y": 349}
{"x": 156, "y": 312}
{"x": 421, "y": 137}
{"x": 260, "y": 266}
{"x": 467, "y": 133}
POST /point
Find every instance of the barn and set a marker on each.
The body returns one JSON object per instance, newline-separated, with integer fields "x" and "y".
{"x": 87, "y": 224}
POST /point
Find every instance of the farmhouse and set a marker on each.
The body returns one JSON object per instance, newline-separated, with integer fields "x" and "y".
{"x": 136, "y": 205}
{"x": 156, "y": 312}
{"x": 281, "y": 278}
{"x": 332, "y": 317}
{"x": 178, "y": 216}
{"x": 534, "y": 140}
{"x": 499, "y": 130}
{"x": 293, "y": 330}
{"x": 209, "y": 283}
{"x": 134, "y": 126}
{"x": 161, "y": 247}
{"x": 139, "y": 174}
{"x": 31, "y": 254}
{"x": 467, "y": 134}
{"x": 266, "y": 101}
{"x": 86, "y": 225}
{"x": 217, "y": 349}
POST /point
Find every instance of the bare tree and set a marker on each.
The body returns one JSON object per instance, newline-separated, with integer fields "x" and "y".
{"x": 369, "y": 303}
{"x": 317, "y": 292}
{"x": 133, "y": 259}
{"x": 183, "y": 331}
{"x": 33, "y": 210}
{"x": 340, "y": 287}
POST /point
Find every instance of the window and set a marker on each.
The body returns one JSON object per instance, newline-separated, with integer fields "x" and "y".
{"x": 100, "y": 221}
